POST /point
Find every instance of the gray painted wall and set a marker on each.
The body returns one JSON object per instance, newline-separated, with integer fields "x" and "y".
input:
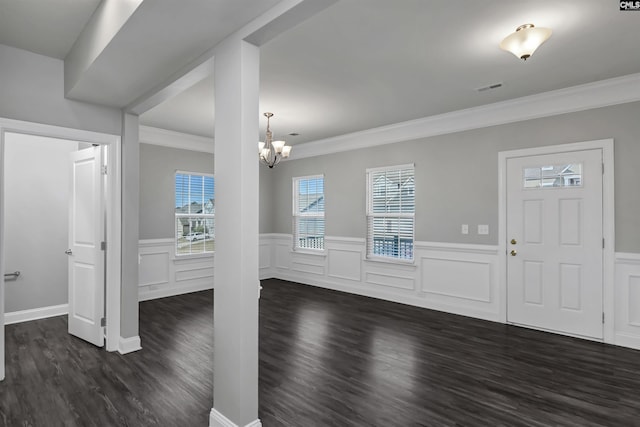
{"x": 158, "y": 166}
{"x": 157, "y": 169}
{"x": 457, "y": 176}
{"x": 32, "y": 89}
{"x": 130, "y": 227}
{"x": 36, "y": 187}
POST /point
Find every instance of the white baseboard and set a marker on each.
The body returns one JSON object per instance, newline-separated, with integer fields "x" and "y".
{"x": 129, "y": 345}
{"x": 216, "y": 419}
{"x": 35, "y": 314}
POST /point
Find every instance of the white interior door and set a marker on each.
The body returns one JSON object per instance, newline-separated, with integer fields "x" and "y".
{"x": 86, "y": 257}
{"x": 555, "y": 242}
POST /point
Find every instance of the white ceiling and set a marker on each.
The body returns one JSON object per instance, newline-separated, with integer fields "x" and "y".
{"x": 359, "y": 64}
{"x": 48, "y": 27}
{"x": 158, "y": 40}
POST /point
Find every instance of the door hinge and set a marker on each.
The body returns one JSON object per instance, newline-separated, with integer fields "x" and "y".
{"x": 103, "y": 322}
{"x": 603, "y": 243}
{"x": 603, "y": 318}
{"x": 602, "y": 168}
{"x": 103, "y": 169}
{"x": 103, "y": 246}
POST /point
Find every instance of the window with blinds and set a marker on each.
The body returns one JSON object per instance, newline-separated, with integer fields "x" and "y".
{"x": 390, "y": 212}
{"x": 195, "y": 213}
{"x": 308, "y": 212}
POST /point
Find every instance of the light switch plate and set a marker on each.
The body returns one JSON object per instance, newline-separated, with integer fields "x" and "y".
{"x": 483, "y": 229}
{"x": 465, "y": 229}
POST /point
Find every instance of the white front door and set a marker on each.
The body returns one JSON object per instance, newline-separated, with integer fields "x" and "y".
{"x": 555, "y": 242}
{"x": 86, "y": 257}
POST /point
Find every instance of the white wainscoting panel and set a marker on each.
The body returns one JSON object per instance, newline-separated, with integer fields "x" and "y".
{"x": 283, "y": 248}
{"x": 459, "y": 279}
{"x": 162, "y": 273}
{"x": 345, "y": 264}
{"x": 627, "y": 300}
{"x": 308, "y": 263}
{"x": 455, "y": 278}
{"x": 390, "y": 279}
{"x": 344, "y": 258}
{"x": 392, "y": 275}
{"x": 264, "y": 255}
{"x": 154, "y": 268}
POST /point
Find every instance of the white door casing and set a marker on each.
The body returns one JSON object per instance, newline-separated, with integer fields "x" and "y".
{"x": 555, "y": 247}
{"x": 85, "y": 255}
{"x": 114, "y": 217}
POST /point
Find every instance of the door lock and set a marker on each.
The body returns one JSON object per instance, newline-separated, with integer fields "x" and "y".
{"x": 513, "y": 253}
{"x": 513, "y": 241}
{"x": 68, "y": 252}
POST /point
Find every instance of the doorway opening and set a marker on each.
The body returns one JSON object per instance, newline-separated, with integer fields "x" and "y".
{"x": 12, "y": 133}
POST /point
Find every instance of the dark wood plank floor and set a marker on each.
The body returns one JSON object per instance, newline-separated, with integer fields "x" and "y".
{"x": 326, "y": 359}
{"x": 54, "y": 379}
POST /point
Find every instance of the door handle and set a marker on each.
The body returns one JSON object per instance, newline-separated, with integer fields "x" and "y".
{"x": 513, "y": 253}
{"x": 68, "y": 252}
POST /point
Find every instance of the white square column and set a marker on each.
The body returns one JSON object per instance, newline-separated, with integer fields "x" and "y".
{"x": 236, "y": 280}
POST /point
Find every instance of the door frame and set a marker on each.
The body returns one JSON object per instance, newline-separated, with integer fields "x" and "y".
{"x": 608, "y": 222}
{"x": 114, "y": 218}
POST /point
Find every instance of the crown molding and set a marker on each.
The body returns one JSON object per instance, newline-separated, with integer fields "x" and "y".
{"x": 602, "y": 93}
{"x": 169, "y": 138}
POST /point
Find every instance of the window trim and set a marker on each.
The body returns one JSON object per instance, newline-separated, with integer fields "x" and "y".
{"x": 179, "y": 215}
{"x": 368, "y": 256}
{"x": 295, "y": 215}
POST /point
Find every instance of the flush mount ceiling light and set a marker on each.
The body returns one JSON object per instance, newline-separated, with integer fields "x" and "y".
{"x": 525, "y": 40}
{"x": 270, "y": 151}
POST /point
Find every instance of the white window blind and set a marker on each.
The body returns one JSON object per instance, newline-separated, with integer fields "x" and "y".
{"x": 195, "y": 213}
{"x": 308, "y": 212}
{"x": 390, "y": 212}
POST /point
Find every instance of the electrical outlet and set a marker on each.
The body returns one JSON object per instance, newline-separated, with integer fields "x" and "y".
{"x": 465, "y": 228}
{"x": 483, "y": 229}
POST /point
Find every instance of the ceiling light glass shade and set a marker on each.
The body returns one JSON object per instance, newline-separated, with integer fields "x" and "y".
{"x": 271, "y": 152}
{"x": 525, "y": 40}
{"x": 277, "y": 145}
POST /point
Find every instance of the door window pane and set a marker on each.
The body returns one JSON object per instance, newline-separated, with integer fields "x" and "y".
{"x": 553, "y": 176}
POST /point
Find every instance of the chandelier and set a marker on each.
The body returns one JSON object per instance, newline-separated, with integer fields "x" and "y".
{"x": 270, "y": 151}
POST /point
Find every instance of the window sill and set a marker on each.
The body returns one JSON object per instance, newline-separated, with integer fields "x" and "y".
{"x": 194, "y": 256}
{"x": 316, "y": 252}
{"x": 396, "y": 262}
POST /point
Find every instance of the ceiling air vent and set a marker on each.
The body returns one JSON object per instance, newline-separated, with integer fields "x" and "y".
{"x": 490, "y": 87}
